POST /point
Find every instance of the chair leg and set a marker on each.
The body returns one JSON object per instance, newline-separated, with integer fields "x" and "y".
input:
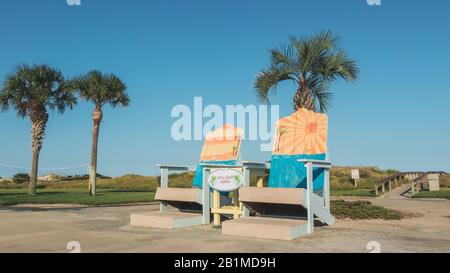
{"x": 216, "y": 205}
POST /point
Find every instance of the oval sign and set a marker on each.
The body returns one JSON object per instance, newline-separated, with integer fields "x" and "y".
{"x": 226, "y": 180}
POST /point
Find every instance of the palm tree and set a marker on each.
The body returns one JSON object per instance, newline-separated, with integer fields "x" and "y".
{"x": 312, "y": 64}
{"x": 33, "y": 91}
{"x": 100, "y": 89}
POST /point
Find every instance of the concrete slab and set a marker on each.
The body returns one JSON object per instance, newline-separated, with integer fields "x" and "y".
{"x": 107, "y": 229}
{"x": 169, "y": 220}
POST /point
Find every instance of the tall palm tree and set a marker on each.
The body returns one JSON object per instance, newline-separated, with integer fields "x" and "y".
{"x": 33, "y": 91}
{"x": 312, "y": 64}
{"x": 100, "y": 89}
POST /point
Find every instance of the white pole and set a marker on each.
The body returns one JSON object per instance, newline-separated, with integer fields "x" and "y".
{"x": 164, "y": 184}
{"x": 326, "y": 189}
{"x": 309, "y": 190}
{"x": 206, "y": 210}
{"x": 245, "y": 211}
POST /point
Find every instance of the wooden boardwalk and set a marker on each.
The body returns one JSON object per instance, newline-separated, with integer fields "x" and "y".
{"x": 417, "y": 180}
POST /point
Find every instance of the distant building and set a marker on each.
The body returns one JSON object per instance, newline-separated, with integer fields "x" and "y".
{"x": 50, "y": 177}
{"x": 5, "y": 179}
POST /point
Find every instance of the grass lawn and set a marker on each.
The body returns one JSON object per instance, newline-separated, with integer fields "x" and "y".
{"x": 445, "y": 193}
{"x": 355, "y": 192}
{"x": 74, "y": 196}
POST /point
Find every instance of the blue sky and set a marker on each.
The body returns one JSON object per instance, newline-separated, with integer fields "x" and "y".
{"x": 168, "y": 51}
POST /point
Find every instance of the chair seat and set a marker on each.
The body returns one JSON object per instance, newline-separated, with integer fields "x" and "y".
{"x": 287, "y": 196}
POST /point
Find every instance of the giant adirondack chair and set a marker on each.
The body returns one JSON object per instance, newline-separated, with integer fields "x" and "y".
{"x": 191, "y": 206}
{"x": 298, "y": 186}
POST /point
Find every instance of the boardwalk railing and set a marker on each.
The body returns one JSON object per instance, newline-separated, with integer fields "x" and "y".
{"x": 417, "y": 179}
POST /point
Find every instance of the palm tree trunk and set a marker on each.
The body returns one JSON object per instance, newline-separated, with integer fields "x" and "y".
{"x": 303, "y": 98}
{"x": 97, "y": 117}
{"x": 39, "y": 120}
{"x": 34, "y": 173}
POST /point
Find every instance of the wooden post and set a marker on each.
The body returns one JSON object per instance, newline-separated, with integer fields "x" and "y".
{"x": 236, "y": 204}
{"x": 216, "y": 205}
{"x": 260, "y": 182}
{"x": 383, "y": 188}
{"x": 390, "y": 185}
{"x": 376, "y": 190}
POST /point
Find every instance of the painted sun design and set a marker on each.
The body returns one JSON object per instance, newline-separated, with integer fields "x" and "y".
{"x": 304, "y": 132}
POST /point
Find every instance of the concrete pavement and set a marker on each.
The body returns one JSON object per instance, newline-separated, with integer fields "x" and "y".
{"x": 106, "y": 229}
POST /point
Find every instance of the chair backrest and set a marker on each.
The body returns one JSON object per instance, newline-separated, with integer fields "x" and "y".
{"x": 302, "y": 135}
{"x": 221, "y": 147}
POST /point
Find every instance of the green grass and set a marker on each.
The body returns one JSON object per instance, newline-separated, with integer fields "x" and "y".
{"x": 73, "y": 196}
{"x": 362, "y": 210}
{"x": 354, "y": 192}
{"x": 445, "y": 194}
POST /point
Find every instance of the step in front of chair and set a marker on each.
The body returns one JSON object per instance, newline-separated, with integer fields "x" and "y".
{"x": 265, "y": 227}
{"x": 167, "y": 220}
{"x": 179, "y": 195}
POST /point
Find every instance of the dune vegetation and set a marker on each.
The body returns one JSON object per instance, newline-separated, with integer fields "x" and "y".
{"x": 341, "y": 183}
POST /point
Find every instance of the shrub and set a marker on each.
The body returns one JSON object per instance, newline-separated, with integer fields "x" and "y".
{"x": 21, "y": 178}
{"x": 82, "y": 177}
{"x": 444, "y": 180}
{"x": 360, "y": 210}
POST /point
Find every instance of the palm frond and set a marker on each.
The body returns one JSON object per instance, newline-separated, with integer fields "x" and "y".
{"x": 338, "y": 65}
{"x": 314, "y": 63}
{"x": 101, "y": 89}
{"x": 267, "y": 81}
{"x": 35, "y": 87}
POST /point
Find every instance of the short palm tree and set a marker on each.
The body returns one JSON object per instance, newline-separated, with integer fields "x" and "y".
{"x": 33, "y": 91}
{"x": 312, "y": 64}
{"x": 100, "y": 89}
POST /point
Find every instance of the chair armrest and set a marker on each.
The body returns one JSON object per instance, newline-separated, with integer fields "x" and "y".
{"x": 255, "y": 165}
{"x": 176, "y": 167}
{"x": 212, "y": 165}
{"x": 317, "y": 163}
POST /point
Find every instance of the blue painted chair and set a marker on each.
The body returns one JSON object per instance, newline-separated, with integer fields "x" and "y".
{"x": 221, "y": 148}
{"x": 298, "y": 181}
